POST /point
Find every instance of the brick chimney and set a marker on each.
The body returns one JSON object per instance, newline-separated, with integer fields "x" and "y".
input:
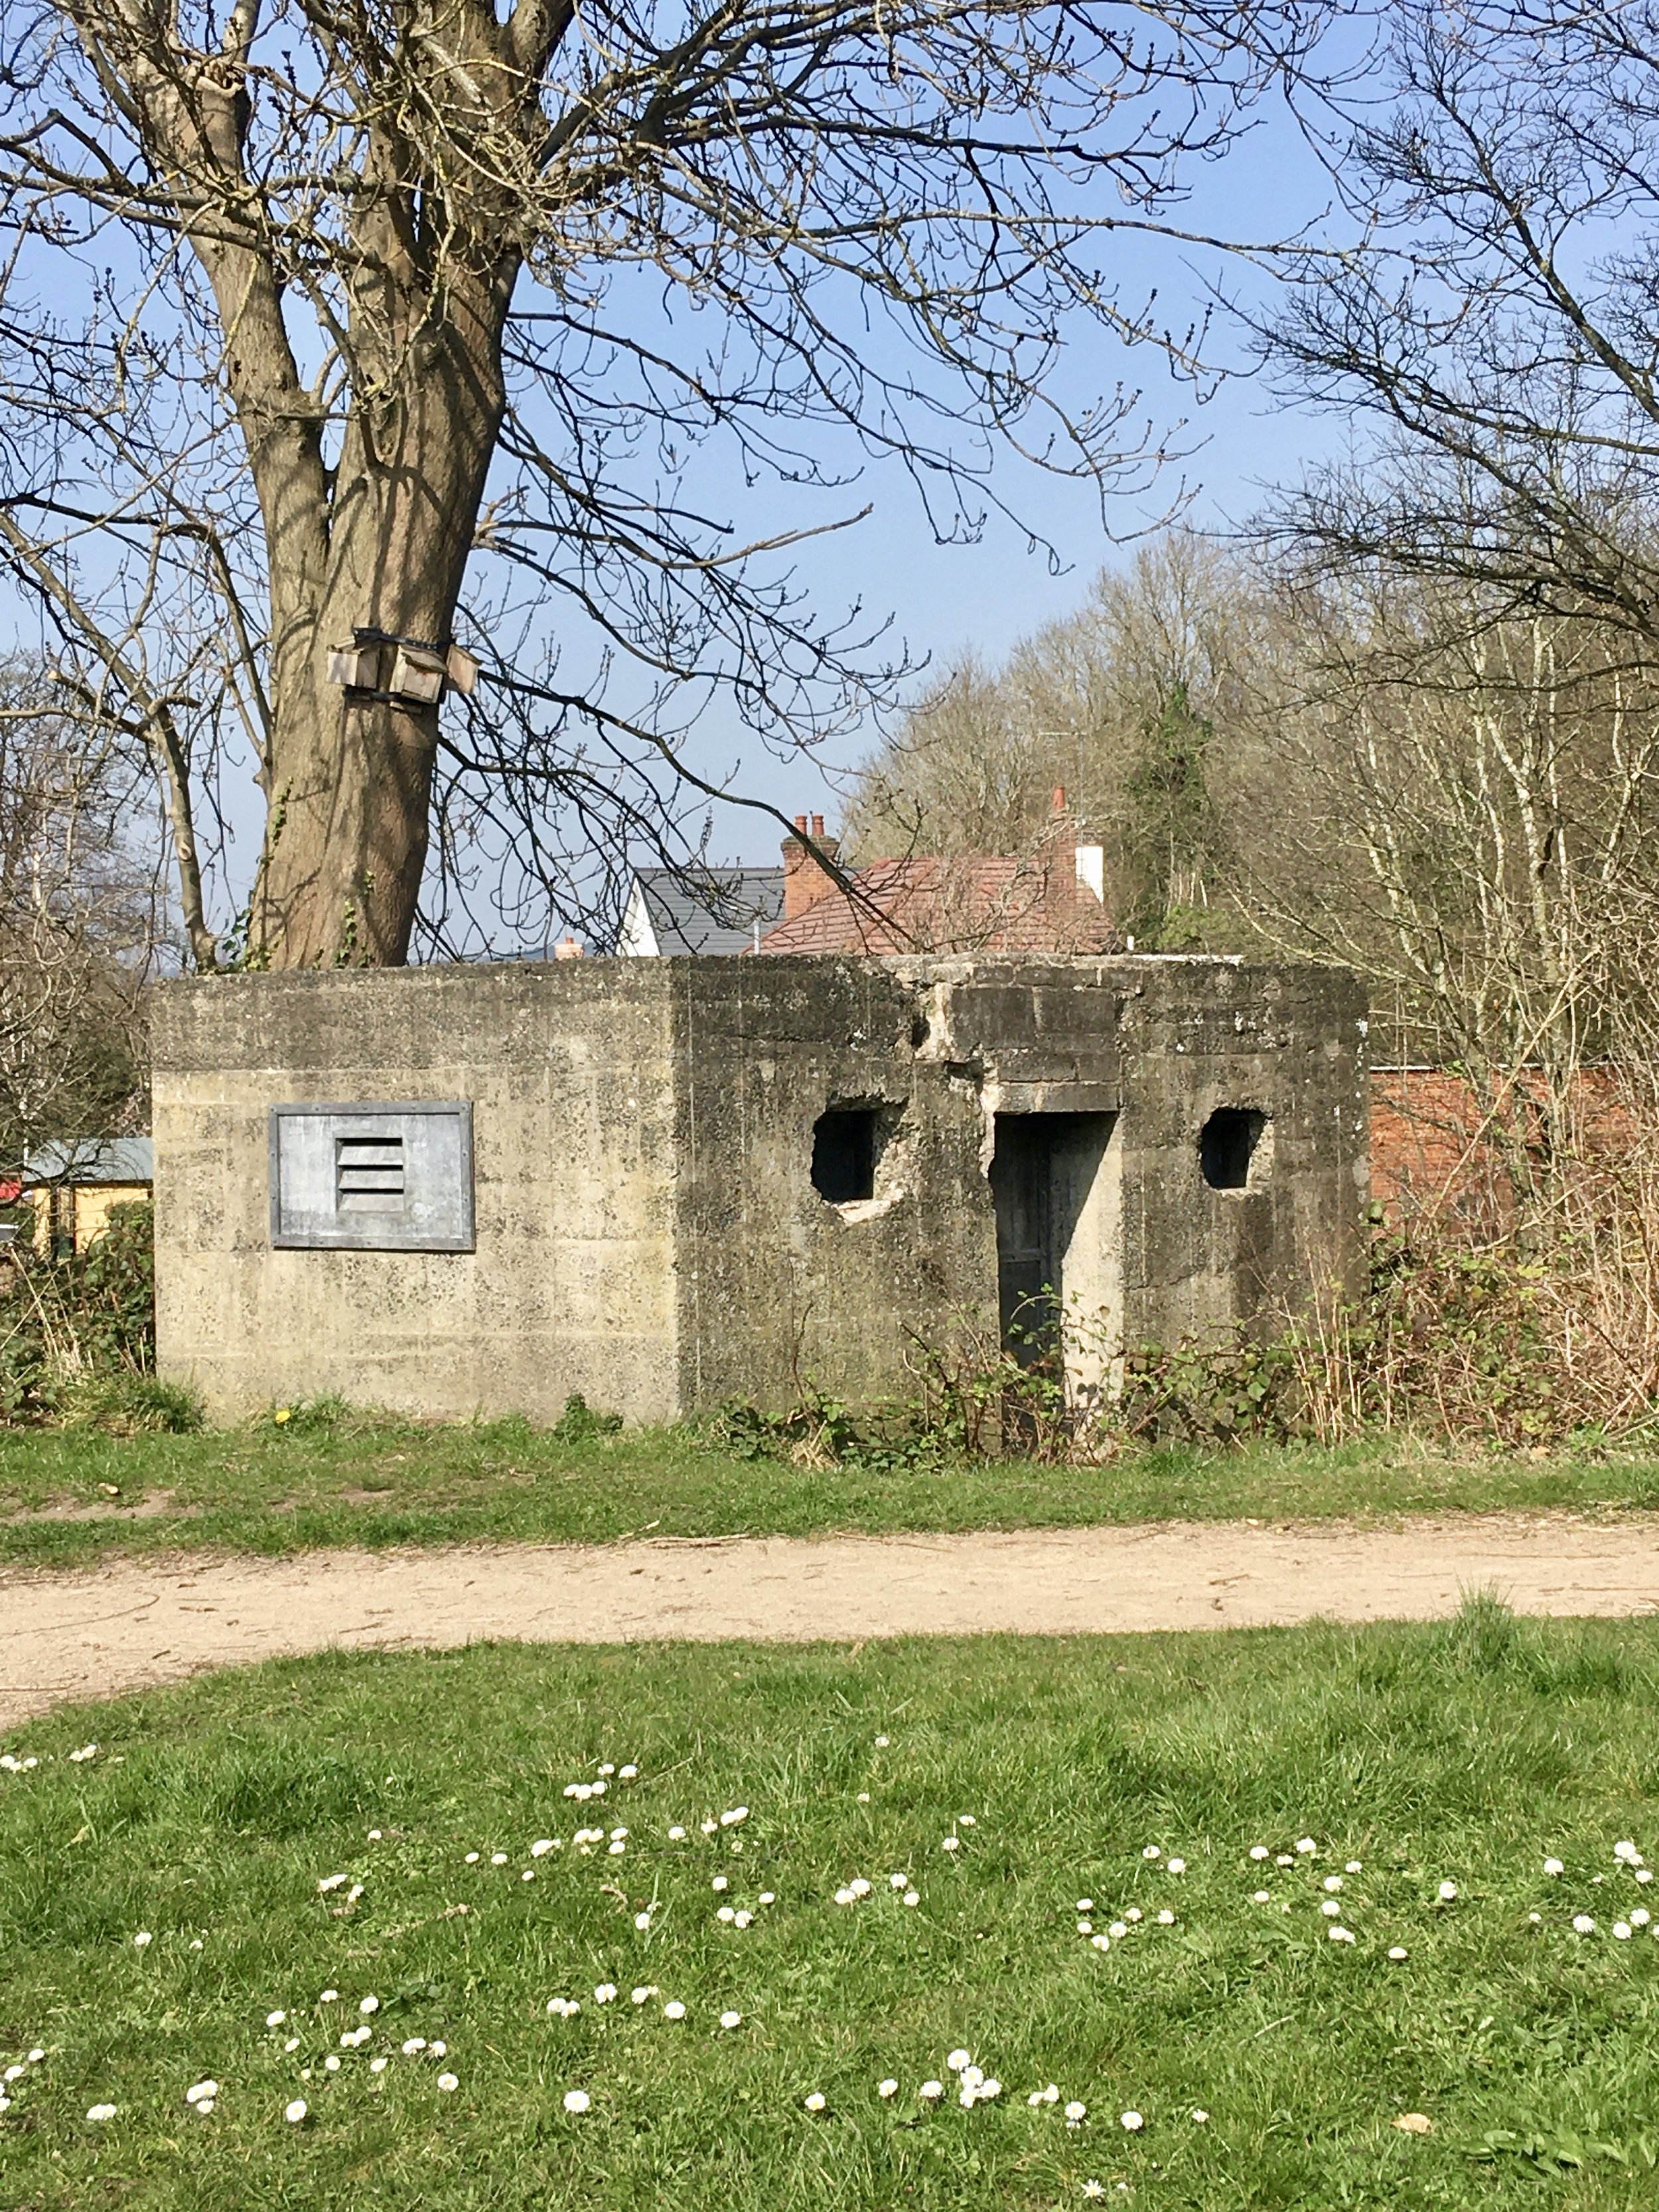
{"x": 805, "y": 879}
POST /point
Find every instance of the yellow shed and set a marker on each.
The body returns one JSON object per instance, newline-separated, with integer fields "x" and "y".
{"x": 74, "y": 1189}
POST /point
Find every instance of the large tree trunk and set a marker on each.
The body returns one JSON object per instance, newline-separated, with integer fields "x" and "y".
{"x": 348, "y": 778}
{"x": 379, "y": 541}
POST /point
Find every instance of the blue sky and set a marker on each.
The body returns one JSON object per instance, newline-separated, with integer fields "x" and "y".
{"x": 947, "y": 599}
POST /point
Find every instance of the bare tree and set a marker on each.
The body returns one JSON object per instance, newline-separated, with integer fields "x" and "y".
{"x": 1135, "y": 704}
{"x": 1459, "y": 801}
{"x": 78, "y": 917}
{"x": 319, "y": 312}
{"x": 1494, "y": 315}
{"x": 1288, "y": 749}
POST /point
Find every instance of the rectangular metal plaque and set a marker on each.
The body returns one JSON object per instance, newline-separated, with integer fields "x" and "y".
{"x": 391, "y": 1176}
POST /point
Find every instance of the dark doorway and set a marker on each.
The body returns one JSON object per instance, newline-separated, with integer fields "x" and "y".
{"x": 1042, "y": 1173}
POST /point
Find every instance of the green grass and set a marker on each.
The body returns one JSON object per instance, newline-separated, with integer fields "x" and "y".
{"x": 1462, "y": 1752}
{"x": 353, "y": 1479}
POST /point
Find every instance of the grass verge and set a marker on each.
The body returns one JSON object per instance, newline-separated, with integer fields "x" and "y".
{"x": 211, "y": 1819}
{"x": 68, "y": 1497}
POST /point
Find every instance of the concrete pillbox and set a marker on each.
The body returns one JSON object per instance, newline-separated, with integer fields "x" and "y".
{"x": 664, "y": 1182}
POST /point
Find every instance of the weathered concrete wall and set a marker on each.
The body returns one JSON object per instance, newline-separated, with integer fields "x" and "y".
{"x": 1288, "y": 1041}
{"x": 1162, "y": 1043}
{"x": 779, "y": 1288}
{"x": 570, "y": 1070}
{"x": 648, "y": 1229}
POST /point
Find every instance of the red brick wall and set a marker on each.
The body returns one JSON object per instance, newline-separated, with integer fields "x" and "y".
{"x": 1427, "y": 1144}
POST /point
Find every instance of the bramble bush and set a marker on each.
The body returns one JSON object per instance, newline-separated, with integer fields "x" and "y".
{"x": 1518, "y": 1341}
{"x": 1538, "y": 1338}
{"x": 77, "y": 1334}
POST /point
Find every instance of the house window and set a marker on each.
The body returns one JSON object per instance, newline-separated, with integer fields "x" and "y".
{"x": 1229, "y": 1147}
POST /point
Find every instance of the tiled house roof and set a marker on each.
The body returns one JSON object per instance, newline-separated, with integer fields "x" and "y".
{"x": 981, "y": 903}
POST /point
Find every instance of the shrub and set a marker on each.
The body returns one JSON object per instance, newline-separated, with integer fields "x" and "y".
{"x": 581, "y": 1423}
{"x": 77, "y": 1331}
{"x": 1535, "y": 1339}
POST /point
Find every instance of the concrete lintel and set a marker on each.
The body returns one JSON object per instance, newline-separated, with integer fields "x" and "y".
{"x": 1060, "y": 1096}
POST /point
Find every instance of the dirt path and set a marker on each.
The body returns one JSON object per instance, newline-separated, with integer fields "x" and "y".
{"x": 133, "y": 1625}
